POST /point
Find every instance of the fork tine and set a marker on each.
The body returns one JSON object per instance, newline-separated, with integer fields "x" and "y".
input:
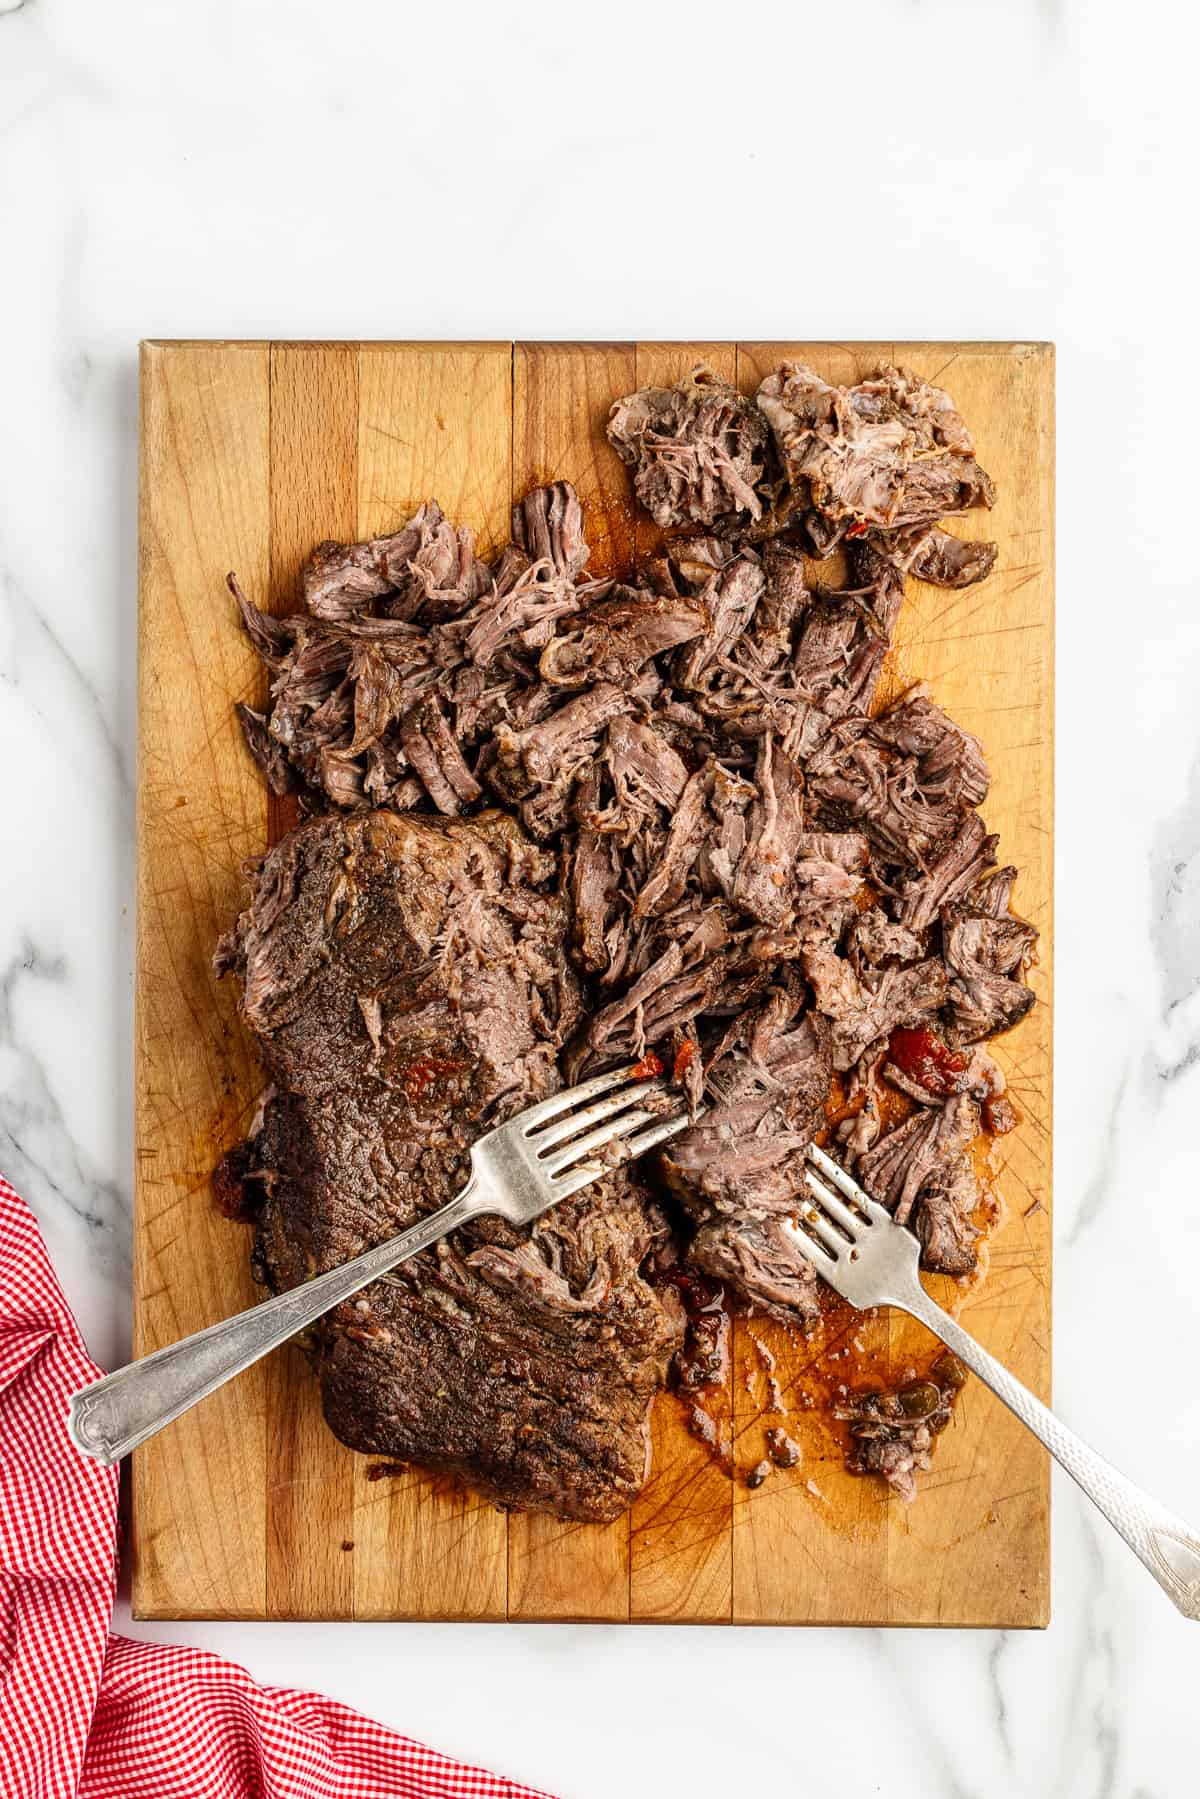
{"x": 575, "y": 1096}
{"x": 831, "y": 1170}
{"x": 869, "y": 1208}
{"x": 808, "y": 1246}
{"x": 581, "y": 1147}
{"x": 575, "y": 1178}
{"x": 659, "y": 1133}
{"x": 570, "y": 1124}
{"x": 816, "y": 1221}
{"x": 853, "y": 1223}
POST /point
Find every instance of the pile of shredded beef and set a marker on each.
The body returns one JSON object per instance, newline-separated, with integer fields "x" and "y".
{"x": 791, "y": 898}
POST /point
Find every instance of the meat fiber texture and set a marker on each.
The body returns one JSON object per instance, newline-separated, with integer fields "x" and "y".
{"x": 752, "y": 871}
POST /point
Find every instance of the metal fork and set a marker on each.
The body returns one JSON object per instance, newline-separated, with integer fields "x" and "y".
{"x": 518, "y": 1171}
{"x": 858, "y": 1247}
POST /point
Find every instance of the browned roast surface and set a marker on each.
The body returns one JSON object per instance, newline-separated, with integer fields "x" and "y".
{"x": 407, "y": 983}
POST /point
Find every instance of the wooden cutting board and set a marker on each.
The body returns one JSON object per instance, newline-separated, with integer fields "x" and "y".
{"x": 250, "y": 454}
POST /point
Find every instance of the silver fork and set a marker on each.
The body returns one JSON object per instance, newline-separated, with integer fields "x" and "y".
{"x": 857, "y": 1246}
{"x": 518, "y": 1171}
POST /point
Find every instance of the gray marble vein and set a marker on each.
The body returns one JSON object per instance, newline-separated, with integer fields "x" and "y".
{"x": 34, "y": 640}
{"x": 1093, "y": 1742}
{"x": 995, "y": 1655}
{"x": 1175, "y": 930}
{"x": 1104, "y": 1181}
{"x": 37, "y": 1150}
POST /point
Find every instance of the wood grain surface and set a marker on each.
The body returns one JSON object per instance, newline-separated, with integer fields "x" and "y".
{"x": 248, "y": 1507}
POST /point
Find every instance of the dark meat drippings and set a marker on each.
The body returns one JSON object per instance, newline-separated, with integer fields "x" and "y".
{"x": 893, "y": 1434}
{"x": 703, "y": 1362}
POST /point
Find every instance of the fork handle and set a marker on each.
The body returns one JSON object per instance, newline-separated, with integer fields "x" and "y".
{"x": 1167, "y": 1546}
{"x": 113, "y": 1415}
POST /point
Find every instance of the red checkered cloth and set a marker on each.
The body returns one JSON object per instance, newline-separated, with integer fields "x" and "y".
{"x": 86, "y": 1715}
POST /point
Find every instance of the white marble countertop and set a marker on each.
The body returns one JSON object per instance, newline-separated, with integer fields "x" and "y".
{"x": 1022, "y": 169}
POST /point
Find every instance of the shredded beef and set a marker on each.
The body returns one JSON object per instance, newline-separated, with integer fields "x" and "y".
{"x": 696, "y": 450}
{"x": 427, "y": 569}
{"x": 946, "y": 561}
{"x": 983, "y": 954}
{"x": 548, "y": 527}
{"x": 889, "y": 451}
{"x": 617, "y": 636}
{"x": 757, "y": 872}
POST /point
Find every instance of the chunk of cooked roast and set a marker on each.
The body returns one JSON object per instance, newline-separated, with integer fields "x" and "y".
{"x": 948, "y": 762}
{"x": 548, "y": 526}
{"x": 428, "y": 569}
{"x": 267, "y": 751}
{"x": 434, "y": 755}
{"x": 923, "y": 1167}
{"x": 861, "y": 1014}
{"x": 926, "y": 551}
{"x": 697, "y": 450}
{"x": 921, "y": 1170}
{"x": 966, "y": 858}
{"x": 984, "y": 954}
{"x": 613, "y": 639}
{"x": 889, "y": 451}
{"x": 409, "y": 641}
{"x": 945, "y": 1222}
{"x": 729, "y": 598}
{"x": 739, "y": 1171}
{"x": 875, "y": 944}
{"x": 755, "y": 1256}
{"x": 946, "y": 561}
{"x": 673, "y": 971}
{"x": 765, "y": 883}
{"x": 558, "y": 747}
{"x": 638, "y": 772}
{"x": 406, "y": 982}
{"x": 838, "y": 655}
{"x": 907, "y": 780}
